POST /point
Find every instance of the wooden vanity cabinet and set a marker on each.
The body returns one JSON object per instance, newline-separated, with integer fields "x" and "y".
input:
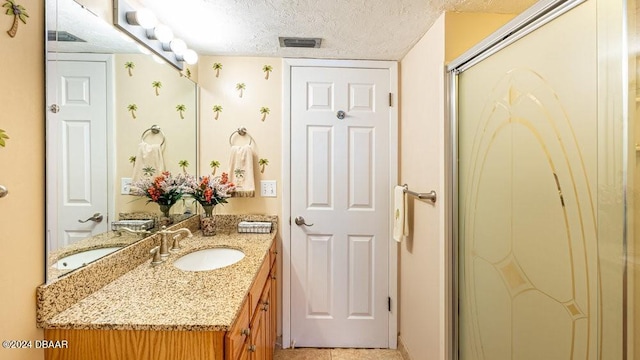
{"x": 258, "y": 343}
{"x": 251, "y": 337}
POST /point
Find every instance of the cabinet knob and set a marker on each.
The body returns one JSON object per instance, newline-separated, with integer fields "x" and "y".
{"x": 252, "y": 348}
{"x": 246, "y": 332}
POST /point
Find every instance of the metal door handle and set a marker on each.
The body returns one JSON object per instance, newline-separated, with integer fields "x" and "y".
{"x": 300, "y": 221}
{"x": 3, "y": 191}
{"x": 97, "y": 217}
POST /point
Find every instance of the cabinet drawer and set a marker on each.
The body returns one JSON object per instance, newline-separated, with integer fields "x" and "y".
{"x": 235, "y": 338}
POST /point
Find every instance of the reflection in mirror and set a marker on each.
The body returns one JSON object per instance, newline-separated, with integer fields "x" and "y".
{"x": 114, "y": 113}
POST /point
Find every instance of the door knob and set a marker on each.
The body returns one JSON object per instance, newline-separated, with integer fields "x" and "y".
{"x": 97, "y": 217}
{"x": 300, "y": 221}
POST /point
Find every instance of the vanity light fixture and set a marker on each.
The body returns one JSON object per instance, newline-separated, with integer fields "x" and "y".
{"x": 142, "y": 25}
{"x": 178, "y": 46}
{"x": 143, "y": 18}
{"x": 161, "y": 32}
{"x": 190, "y": 57}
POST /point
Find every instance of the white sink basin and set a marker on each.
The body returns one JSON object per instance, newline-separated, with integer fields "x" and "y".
{"x": 208, "y": 259}
{"x": 75, "y": 261}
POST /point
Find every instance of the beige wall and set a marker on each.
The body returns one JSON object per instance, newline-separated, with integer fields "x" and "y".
{"x": 242, "y": 112}
{"x": 22, "y": 162}
{"x": 464, "y": 30}
{"x": 180, "y": 134}
{"x": 422, "y": 166}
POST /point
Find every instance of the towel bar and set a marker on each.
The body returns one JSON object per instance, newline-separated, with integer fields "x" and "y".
{"x": 431, "y": 195}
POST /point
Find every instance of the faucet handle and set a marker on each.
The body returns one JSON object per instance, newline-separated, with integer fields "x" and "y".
{"x": 176, "y": 243}
{"x": 157, "y": 259}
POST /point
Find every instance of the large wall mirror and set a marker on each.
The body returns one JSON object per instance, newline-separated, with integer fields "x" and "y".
{"x": 109, "y": 105}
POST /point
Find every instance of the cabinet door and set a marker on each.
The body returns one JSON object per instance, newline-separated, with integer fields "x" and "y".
{"x": 258, "y": 337}
{"x": 237, "y": 335}
{"x": 244, "y": 353}
{"x": 260, "y": 326}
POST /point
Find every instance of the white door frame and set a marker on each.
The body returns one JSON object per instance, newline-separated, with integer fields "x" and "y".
{"x": 287, "y": 64}
{"x": 52, "y": 163}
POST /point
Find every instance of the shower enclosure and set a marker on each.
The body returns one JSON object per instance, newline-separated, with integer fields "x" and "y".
{"x": 543, "y": 117}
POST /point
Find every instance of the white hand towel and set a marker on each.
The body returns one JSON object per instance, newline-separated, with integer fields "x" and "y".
{"x": 400, "y": 223}
{"x": 241, "y": 171}
{"x": 149, "y": 156}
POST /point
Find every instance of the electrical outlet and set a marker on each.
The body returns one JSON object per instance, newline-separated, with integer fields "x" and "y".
{"x": 268, "y": 188}
{"x": 125, "y": 186}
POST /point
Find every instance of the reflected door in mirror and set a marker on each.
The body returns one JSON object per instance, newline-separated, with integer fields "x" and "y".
{"x": 78, "y": 134}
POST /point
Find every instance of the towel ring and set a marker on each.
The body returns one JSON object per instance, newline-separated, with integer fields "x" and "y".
{"x": 155, "y": 129}
{"x": 242, "y": 132}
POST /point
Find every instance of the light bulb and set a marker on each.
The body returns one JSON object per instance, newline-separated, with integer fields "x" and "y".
{"x": 190, "y": 57}
{"x": 163, "y": 33}
{"x": 143, "y": 17}
{"x": 178, "y": 46}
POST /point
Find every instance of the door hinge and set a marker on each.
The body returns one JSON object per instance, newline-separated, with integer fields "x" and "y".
{"x": 389, "y": 303}
{"x": 390, "y": 100}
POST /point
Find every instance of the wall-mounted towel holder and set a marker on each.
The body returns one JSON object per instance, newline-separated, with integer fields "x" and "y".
{"x": 431, "y": 195}
{"x": 154, "y": 129}
{"x": 242, "y": 132}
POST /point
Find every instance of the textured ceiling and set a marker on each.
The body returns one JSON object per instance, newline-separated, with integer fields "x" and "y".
{"x": 350, "y": 29}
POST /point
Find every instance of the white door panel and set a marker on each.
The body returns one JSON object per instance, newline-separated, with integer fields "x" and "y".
{"x": 78, "y": 137}
{"x": 340, "y": 185}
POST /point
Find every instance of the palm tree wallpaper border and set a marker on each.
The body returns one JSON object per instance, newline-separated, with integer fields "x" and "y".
{"x": 267, "y": 70}
{"x": 3, "y": 138}
{"x": 181, "y": 108}
{"x": 264, "y": 111}
{"x": 129, "y": 65}
{"x": 217, "y": 67}
{"x": 132, "y": 108}
{"x": 156, "y": 85}
{"x": 241, "y": 87}
{"x": 18, "y": 12}
{"x": 217, "y": 109}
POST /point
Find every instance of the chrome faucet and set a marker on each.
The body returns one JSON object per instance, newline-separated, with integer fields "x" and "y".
{"x": 164, "y": 246}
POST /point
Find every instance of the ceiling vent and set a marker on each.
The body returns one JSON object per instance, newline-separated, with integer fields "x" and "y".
{"x": 294, "y": 42}
{"x": 53, "y": 35}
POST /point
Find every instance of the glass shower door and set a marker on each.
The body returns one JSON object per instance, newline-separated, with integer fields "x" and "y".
{"x": 533, "y": 177}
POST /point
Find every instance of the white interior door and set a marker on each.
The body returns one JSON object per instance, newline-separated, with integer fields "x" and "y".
{"x": 77, "y": 135}
{"x": 340, "y": 185}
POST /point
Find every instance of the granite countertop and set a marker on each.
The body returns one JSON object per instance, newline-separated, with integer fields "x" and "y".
{"x": 164, "y": 297}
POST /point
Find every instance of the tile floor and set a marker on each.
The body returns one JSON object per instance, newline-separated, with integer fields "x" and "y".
{"x": 337, "y": 354}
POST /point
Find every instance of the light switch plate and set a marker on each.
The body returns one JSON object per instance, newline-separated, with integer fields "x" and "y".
{"x": 125, "y": 186}
{"x": 268, "y": 188}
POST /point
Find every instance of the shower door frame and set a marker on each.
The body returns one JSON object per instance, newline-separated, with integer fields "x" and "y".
{"x": 535, "y": 17}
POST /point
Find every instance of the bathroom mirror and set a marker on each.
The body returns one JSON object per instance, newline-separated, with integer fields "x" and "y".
{"x": 107, "y": 105}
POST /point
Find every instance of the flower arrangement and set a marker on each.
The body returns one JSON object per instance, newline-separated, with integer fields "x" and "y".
{"x": 211, "y": 190}
{"x": 165, "y": 189}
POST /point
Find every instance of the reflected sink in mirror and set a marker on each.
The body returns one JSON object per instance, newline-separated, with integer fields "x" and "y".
{"x": 80, "y": 259}
{"x": 208, "y": 259}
